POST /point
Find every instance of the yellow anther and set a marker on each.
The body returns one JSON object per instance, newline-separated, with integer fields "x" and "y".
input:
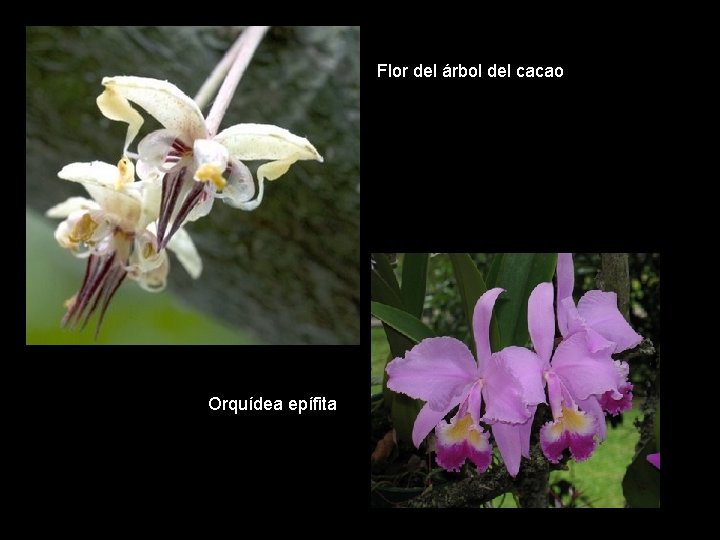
{"x": 126, "y": 172}
{"x": 209, "y": 172}
{"x": 148, "y": 250}
{"x": 83, "y": 229}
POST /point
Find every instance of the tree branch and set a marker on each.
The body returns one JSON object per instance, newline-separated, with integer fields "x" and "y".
{"x": 616, "y": 278}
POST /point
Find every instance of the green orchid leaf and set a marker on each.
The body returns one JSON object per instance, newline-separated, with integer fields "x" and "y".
{"x": 386, "y": 272}
{"x": 494, "y": 270}
{"x": 472, "y": 286}
{"x": 641, "y": 485}
{"x": 414, "y": 280}
{"x": 403, "y": 322}
{"x": 519, "y": 274}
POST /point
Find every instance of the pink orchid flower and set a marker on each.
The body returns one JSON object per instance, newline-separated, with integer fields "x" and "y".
{"x": 654, "y": 459}
{"x": 598, "y": 314}
{"x": 442, "y": 372}
{"x": 580, "y": 370}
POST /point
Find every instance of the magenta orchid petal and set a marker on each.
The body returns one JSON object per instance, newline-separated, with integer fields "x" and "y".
{"x": 654, "y": 459}
{"x": 481, "y": 325}
{"x": 600, "y": 312}
{"x": 437, "y": 370}
{"x": 462, "y": 439}
{"x": 617, "y": 406}
{"x": 565, "y": 285}
{"x": 503, "y": 394}
{"x": 527, "y": 368}
{"x": 507, "y": 438}
{"x": 541, "y": 320}
{"x": 582, "y": 371}
{"x": 575, "y": 430}
{"x": 592, "y": 407}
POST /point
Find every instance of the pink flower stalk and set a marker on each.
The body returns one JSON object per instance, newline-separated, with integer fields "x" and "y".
{"x": 442, "y": 372}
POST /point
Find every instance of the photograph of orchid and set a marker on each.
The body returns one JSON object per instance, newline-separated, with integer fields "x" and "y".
{"x": 149, "y": 202}
{"x": 490, "y": 379}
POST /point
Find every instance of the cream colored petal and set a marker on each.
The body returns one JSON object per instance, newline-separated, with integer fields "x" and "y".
{"x": 182, "y": 245}
{"x": 264, "y": 141}
{"x": 150, "y": 205}
{"x": 95, "y": 172}
{"x": 115, "y": 107}
{"x": 65, "y": 208}
{"x": 161, "y": 99}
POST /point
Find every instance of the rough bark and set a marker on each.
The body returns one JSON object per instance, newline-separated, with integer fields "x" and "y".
{"x": 616, "y": 278}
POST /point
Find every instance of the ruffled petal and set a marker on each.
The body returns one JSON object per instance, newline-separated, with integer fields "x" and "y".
{"x": 507, "y": 438}
{"x": 439, "y": 370}
{"x": 73, "y": 204}
{"x": 541, "y": 320}
{"x": 182, "y": 245}
{"x": 575, "y": 430}
{"x": 527, "y": 368}
{"x": 503, "y": 394}
{"x": 617, "y": 406}
{"x": 565, "y": 285}
{"x": 600, "y": 311}
{"x": 583, "y": 371}
{"x": 592, "y": 407}
{"x": 481, "y": 325}
{"x": 162, "y": 100}
{"x": 459, "y": 440}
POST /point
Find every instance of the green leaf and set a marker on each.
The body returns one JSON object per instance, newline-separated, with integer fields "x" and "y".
{"x": 519, "y": 274}
{"x": 401, "y": 321}
{"x": 472, "y": 286}
{"x": 641, "y": 485}
{"x": 414, "y": 279}
{"x": 386, "y": 272}
{"x": 404, "y": 411}
{"x": 494, "y": 270}
{"x": 382, "y": 292}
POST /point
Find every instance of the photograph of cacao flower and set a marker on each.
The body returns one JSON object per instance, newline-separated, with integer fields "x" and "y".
{"x": 186, "y": 171}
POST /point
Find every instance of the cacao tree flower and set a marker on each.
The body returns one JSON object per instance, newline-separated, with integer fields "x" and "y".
{"x": 193, "y": 165}
{"x": 115, "y": 231}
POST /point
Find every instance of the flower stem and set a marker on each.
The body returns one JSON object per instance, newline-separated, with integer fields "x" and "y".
{"x": 246, "y": 45}
{"x": 211, "y": 84}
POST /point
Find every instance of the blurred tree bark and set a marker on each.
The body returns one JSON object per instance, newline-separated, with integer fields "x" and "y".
{"x": 289, "y": 271}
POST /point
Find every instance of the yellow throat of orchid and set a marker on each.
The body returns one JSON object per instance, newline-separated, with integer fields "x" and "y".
{"x": 463, "y": 429}
{"x": 209, "y": 172}
{"x": 572, "y": 420}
